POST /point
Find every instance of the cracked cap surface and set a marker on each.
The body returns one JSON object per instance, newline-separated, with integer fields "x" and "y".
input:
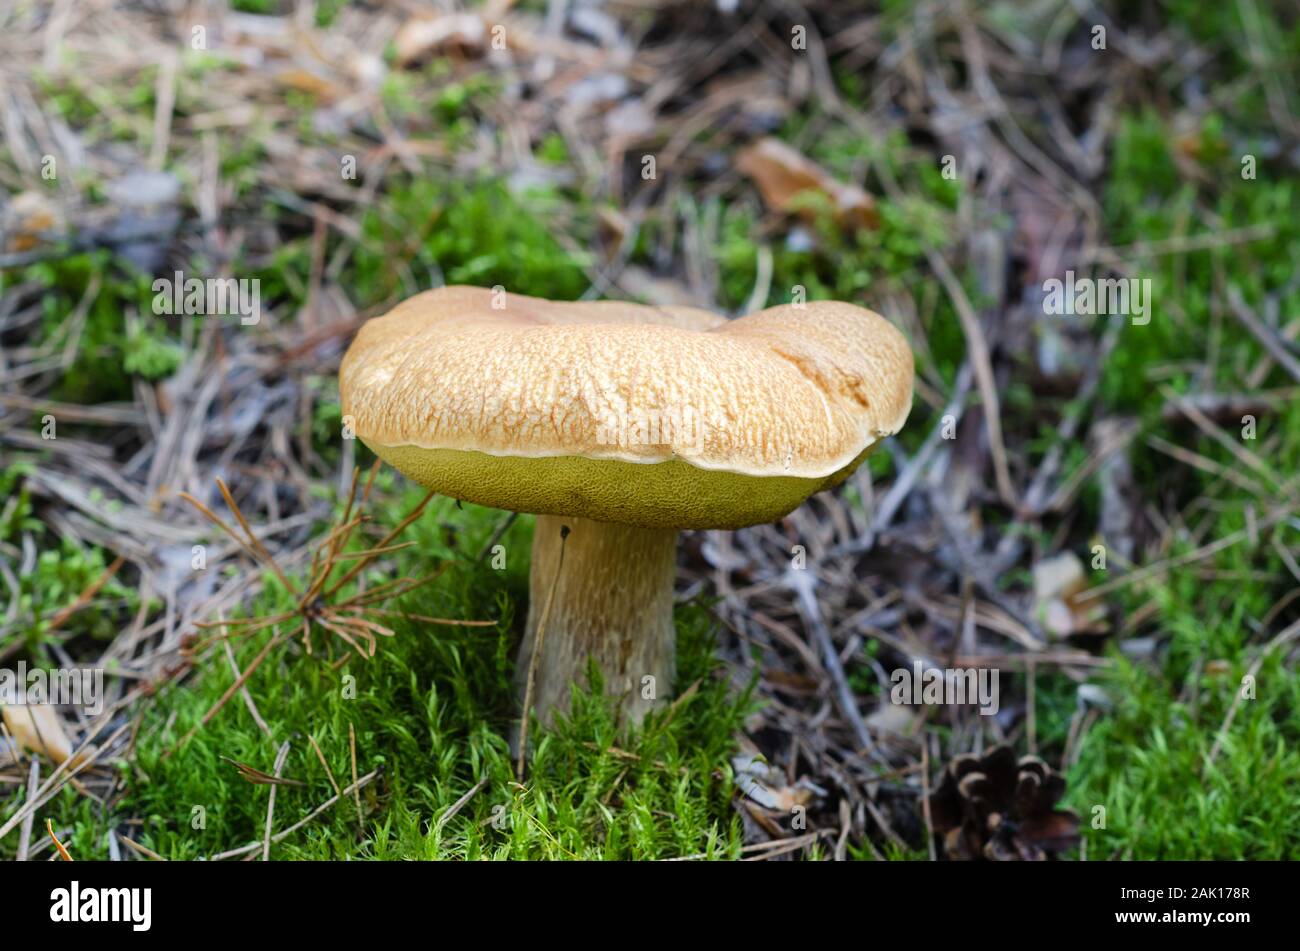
{"x": 660, "y": 416}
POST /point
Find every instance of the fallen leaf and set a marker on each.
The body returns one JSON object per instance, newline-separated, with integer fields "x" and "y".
{"x": 766, "y": 785}
{"x": 1059, "y": 577}
{"x": 303, "y": 80}
{"x": 785, "y": 178}
{"x": 28, "y": 219}
{"x": 1058, "y": 582}
{"x": 423, "y": 36}
{"x": 38, "y": 728}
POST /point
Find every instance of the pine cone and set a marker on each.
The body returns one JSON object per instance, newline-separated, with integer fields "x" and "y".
{"x": 1002, "y": 809}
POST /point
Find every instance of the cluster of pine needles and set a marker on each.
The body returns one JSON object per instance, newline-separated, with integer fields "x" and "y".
{"x": 320, "y": 604}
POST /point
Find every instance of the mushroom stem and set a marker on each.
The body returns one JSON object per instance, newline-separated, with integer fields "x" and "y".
{"x": 612, "y": 602}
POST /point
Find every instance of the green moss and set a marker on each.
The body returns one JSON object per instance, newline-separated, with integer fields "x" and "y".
{"x": 433, "y": 711}
{"x": 466, "y": 234}
{"x": 1146, "y": 763}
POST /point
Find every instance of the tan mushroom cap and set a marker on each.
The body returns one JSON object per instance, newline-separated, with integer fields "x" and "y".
{"x": 657, "y": 416}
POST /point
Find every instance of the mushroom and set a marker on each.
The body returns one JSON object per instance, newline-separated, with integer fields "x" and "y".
{"x": 620, "y": 425}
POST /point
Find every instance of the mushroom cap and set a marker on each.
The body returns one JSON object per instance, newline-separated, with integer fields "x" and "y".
{"x": 667, "y": 417}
